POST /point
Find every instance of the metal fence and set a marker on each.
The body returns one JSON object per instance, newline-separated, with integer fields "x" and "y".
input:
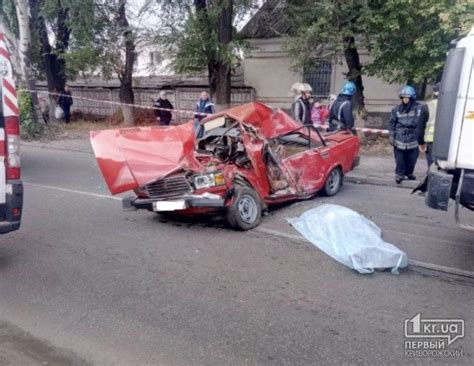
{"x": 183, "y": 98}
{"x": 319, "y": 77}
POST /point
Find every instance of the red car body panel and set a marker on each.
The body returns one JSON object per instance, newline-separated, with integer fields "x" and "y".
{"x": 130, "y": 158}
{"x": 135, "y": 157}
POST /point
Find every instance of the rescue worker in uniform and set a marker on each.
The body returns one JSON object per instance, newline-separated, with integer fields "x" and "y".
{"x": 427, "y": 131}
{"x": 340, "y": 114}
{"x": 406, "y": 120}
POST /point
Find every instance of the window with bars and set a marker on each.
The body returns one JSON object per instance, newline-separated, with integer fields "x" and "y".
{"x": 319, "y": 77}
{"x": 156, "y": 58}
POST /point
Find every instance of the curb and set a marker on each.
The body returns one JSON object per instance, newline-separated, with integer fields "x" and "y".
{"x": 355, "y": 179}
{"x": 411, "y": 262}
{"x": 60, "y": 148}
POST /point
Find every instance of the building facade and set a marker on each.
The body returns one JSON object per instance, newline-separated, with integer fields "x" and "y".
{"x": 268, "y": 67}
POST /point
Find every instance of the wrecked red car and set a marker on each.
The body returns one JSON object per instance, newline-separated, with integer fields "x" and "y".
{"x": 248, "y": 158}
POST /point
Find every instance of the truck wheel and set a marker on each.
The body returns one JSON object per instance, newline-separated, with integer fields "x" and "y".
{"x": 245, "y": 212}
{"x": 333, "y": 182}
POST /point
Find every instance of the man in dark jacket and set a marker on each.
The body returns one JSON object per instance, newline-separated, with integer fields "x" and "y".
{"x": 301, "y": 107}
{"x": 65, "y": 102}
{"x": 340, "y": 114}
{"x": 164, "y": 115}
{"x": 406, "y": 120}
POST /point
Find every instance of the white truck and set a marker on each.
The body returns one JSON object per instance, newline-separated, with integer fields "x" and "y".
{"x": 11, "y": 188}
{"x": 452, "y": 174}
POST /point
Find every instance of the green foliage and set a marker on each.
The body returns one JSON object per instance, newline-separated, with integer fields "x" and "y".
{"x": 321, "y": 30}
{"x": 86, "y": 23}
{"x": 405, "y": 39}
{"x": 410, "y": 38}
{"x": 29, "y": 128}
{"x": 80, "y": 18}
{"x": 191, "y": 37}
{"x": 8, "y": 15}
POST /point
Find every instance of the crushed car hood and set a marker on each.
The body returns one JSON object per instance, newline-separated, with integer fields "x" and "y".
{"x": 270, "y": 122}
{"x": 130, "y": 158}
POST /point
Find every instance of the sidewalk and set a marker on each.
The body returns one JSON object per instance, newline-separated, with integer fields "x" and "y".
{"x": 380, "y": 170}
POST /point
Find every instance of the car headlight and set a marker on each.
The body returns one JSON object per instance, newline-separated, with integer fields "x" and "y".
{"x": 208, "y": 180}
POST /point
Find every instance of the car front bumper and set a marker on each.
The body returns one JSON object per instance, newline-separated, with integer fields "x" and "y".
{"x": 207, "y": 200}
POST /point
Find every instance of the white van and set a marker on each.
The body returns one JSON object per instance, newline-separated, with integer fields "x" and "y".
{"x": 452, "y": 174}
{"x": 11, "y": 188}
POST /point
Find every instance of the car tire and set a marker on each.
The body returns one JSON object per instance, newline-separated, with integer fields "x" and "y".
{"x": 333, "y": 182}
{"x": 245, "y": 212}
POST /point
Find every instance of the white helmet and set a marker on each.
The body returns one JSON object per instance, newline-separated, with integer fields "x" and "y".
{"x": 296, "y": 88}
{"x": 307, "y": 87}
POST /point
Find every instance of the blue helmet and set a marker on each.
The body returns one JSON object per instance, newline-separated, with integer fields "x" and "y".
{"x": 408, "y": 92}
{"x": 349, "y": 88}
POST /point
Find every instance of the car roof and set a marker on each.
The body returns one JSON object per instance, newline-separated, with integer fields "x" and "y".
{"x": 269, "y": 121}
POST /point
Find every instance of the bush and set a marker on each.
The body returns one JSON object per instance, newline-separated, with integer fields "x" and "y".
{"x": 29, "y": 128}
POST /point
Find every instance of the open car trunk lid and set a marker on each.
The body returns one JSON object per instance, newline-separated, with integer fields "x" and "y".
{"x": 130, "y": 158}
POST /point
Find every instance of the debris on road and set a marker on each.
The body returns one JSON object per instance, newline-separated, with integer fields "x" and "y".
{"x": 349, "y": 238}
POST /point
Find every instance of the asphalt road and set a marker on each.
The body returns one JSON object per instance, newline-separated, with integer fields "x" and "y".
{"x": 130, "y": 288}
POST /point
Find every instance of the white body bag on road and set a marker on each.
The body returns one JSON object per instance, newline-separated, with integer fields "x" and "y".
{"x": 349, "y": 238}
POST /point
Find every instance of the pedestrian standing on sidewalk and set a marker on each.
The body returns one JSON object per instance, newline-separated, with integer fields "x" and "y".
{"x": 164, "y": 113}
{"x": 426, "y": 134}
{"x": 44, "y": 107}
{"x": 65, "y": 102}
{"x": 204, "y": 106}
{"x": 406, "y": 120}
{"x": 301, "y": 107}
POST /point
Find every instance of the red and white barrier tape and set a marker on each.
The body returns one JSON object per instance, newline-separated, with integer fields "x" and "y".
{"x": 364, "y": 130}
{"x": 193, "y": 113}
{"x": 373, "y": 131}
{"x": 122, "y": 104}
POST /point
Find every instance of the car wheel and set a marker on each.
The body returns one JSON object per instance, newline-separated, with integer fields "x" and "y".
{"x": 245, "y": 212}
{"x": 333, "y": 182}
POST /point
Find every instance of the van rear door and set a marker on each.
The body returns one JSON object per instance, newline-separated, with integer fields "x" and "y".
{"x": 11, "y": 187}
{"x": 3, "y": 181}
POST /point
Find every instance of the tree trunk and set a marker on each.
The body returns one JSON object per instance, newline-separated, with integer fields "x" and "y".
{"x": 24, "y": 49}
{"x": 354, "y": 73}
{"x": 62, "y": 36}
{"x": 126, "y": 75}
{"x": 54, "y": 67}
{"x": 422, "y": 89}
{"x": 212, "y": 78}
{"x": 223, "y": 75}
{"x": 201, "y": 7}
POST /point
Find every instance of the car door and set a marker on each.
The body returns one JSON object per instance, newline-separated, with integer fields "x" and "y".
{"x": 307, "y": 164}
